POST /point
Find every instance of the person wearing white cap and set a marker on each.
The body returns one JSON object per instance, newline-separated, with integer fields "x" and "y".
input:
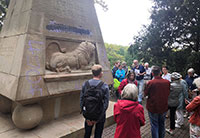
{"x": 173, "y": 100}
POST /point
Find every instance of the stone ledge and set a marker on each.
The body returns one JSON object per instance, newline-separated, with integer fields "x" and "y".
{"x": 67, "y": 77}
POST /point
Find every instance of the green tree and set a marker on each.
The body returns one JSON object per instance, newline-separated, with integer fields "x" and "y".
{"x": 178, "y": 22}
{"x": 117, "y": 52}
{"x": 173, "y": 35}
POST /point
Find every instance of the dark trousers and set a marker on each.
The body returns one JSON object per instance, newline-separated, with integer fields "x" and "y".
{"x": 172, "y": 117}
{"x": 98, "y": 130}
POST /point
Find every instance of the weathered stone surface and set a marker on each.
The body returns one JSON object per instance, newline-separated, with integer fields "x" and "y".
{"x": 68, "y": 105}
{"x": 8, "y": 85}
{"x": 15, "y": 133}
{"x": 57, "y": 107}
{"x": 16, "y": 24}
{"x": 31, "y": 87}
{"x": 26, "y": 46}
{"x": 27, "y": 117}
{"x": 34, "y": 56}
{"x": 18, "y": 56}
{"x": 5, "y": 104}
{"x": 17, "y": 18}
{"x": 7, "y": 52}
{"x": 6, "y": 123}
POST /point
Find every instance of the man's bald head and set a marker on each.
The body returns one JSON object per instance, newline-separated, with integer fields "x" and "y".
{"x": 135, "y": 62}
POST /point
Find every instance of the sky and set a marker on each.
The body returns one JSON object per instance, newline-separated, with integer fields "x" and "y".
{"x": 123, "y": 20}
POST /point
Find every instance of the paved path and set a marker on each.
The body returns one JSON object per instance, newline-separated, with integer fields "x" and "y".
{"x": 146, "y": 130}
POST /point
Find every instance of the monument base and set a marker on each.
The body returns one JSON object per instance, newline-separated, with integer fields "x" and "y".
{"x": 71, "y": 126}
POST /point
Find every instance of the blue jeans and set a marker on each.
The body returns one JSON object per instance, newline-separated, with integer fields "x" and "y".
{"x": 98, "y": 130}
{"x": 157, "y": 122}
{"x": 140, "y": 88}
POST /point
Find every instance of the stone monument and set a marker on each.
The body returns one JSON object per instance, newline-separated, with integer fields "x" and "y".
{"x": 47, "y": 48}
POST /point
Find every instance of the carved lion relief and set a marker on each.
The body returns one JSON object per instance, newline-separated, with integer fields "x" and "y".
{"x": 64, "y": 61}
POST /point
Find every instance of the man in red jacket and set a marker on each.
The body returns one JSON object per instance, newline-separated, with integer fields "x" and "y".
{"x": 157, "y": 91}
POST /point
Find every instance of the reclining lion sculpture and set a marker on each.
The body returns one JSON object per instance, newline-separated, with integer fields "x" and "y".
{"x": 78, "y": 59}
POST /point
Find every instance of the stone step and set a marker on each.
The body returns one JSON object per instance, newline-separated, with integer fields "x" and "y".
{"x": 71, "y": 126}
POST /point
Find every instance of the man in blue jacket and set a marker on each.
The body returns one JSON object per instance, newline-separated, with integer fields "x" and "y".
{"x": 139, "y": 72}
{"x": 99, "y": 125}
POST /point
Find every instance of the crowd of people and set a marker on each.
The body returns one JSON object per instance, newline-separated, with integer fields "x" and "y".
{"x": 163, "y": 92}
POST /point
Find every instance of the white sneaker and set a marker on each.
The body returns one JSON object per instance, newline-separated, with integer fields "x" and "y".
{"x": 186, "y": 115}
{"x": 171, "y": 132}
{"x": 177, "y": 126}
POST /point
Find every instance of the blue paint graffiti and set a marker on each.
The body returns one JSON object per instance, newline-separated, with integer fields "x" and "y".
{"x": 78, "y": 85}
{"x": 55, "y": 27}
{"x": 34, "y": 63}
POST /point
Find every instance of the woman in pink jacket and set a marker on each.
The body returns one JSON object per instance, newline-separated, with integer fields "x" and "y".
{"x": 128, "y": 114}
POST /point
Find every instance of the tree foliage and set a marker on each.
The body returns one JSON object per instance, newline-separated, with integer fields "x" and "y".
{"x": 173, "y": 37}
{"x": 118, "y": 52}
{"x": 178, "y": 23}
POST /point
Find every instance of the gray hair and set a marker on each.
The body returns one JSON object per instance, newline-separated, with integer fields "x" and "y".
{"x": 191, "y": 70}
{"x": 123, "y": 63}
{"x": 146, "y": 64}
{"x": 197, "y": 82}
{"x": 130, "y": 92}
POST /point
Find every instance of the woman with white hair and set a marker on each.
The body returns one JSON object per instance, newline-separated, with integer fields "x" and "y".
{"x": 194, "y": 106}
{"x": 128, "y": 114}
{"x": 190, "y": 78}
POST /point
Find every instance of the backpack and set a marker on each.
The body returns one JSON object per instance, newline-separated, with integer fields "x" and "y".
{"x": 93, "y": 102}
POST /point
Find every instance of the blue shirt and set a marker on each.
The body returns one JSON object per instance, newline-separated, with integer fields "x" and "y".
{"x": 137, "y": 70}
{"x": 189, "y": 81}
{"x": 120, "y": 74}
